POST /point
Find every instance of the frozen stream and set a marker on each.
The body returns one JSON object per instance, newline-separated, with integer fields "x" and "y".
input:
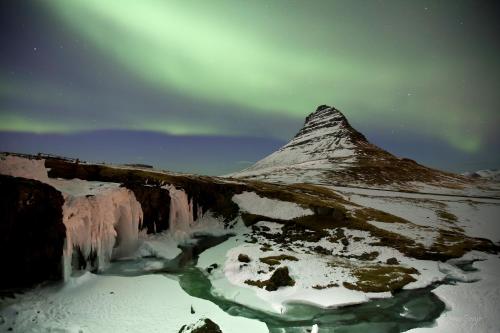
{"x": 406, "y": 310}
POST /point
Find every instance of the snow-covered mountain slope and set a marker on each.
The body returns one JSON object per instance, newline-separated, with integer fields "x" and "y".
{"x": 328, "y": 150}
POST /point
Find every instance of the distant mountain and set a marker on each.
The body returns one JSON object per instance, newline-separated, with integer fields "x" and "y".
{"x": 328, "y": 150}
{"x": 488, "y": 174}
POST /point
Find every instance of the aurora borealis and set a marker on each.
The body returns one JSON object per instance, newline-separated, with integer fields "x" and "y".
{"x": 419, "y": 78}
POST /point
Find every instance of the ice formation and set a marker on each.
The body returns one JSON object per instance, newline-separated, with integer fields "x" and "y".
{"x": 22, "y": 167}
{"x": 181, "y": 213}
{"x": 104, "y": 225}
{"x": 102, "y": 219}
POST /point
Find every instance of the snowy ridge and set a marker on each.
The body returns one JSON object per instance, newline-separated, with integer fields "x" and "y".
{"x": 489, "y": 174}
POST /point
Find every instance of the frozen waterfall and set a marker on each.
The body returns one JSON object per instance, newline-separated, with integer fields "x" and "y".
{"x": 102, "y": 226}
{"x": 181, "y": 216}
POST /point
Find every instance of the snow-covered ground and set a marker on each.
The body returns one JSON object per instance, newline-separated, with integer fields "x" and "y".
{"x": 250, "y": 202}
{"x": 93, "y": 304}
{"x": 471, "y": 307}
{"x": 476, "y": 216}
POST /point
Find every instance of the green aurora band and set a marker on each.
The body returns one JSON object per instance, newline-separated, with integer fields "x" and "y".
{"x": 285, "y": 57}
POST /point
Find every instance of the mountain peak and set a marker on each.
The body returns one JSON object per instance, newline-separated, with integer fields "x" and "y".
{"x": 325, "y": 136}
{"x": 323, "y": 110}
{"x": 327, "y": 121}
{"x": 328, "y": 150}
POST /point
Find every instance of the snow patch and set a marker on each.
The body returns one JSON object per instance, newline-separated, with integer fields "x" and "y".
{"x": 424, "y": 236}
{"x": 472, "y": 307}
{"x": 251, "y": 203}
{"x": 96, "y": 303}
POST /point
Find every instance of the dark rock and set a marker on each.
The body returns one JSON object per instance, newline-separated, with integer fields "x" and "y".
{"x": 207, "y": 327}
{"x": 192, "y": 310}
{"x": 211, "y": 268}
{"x": 31, "y": 232}
{"x": 155, "y": 204}
{"x": 280, "y": 278}
{"x": 243, "y": 258}
{"x": 321, "y": 250}
{"x": 392, "y": 261}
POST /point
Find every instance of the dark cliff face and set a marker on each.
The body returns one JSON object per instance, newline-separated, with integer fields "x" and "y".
{"x": 155, "y": 204}
{"x": 31, "y": 232}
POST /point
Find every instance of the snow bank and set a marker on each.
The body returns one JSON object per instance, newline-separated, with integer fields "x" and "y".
{"x": 22, "y": 167}
{"x": 477, "y": 219}
{"x": 472, "y": 307}
{"x": 94, "y": 303}
{"x": 251, "y": 203}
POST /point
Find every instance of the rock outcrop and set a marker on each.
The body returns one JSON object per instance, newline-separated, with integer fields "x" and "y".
{"x": 155, "y": 203}
{"x": 32, "y": 232}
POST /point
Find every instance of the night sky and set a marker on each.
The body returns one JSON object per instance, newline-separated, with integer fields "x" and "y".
{"x": 212, "y": 86}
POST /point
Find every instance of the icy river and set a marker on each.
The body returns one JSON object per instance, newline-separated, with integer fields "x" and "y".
{"x": 407, "y": 309}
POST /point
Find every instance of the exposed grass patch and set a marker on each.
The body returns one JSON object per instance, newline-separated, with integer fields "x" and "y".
{"x": 381, "y": 278}
{"x": 447, "y": 216}
{"x": 276, "y": 260}
{"x": 365, "y": 256}
{"x": 370, "y": 214}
